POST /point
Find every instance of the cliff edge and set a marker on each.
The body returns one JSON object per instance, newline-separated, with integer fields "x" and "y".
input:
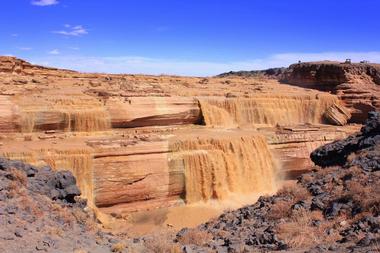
{"x": 357, "y": 84}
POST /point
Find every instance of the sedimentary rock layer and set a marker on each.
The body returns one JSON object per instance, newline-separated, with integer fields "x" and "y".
{"x": 137, "y": 142}
{"x": 9, "y": 115}
{"x": 137, "y": 169}
{"x": 13, "y": 65}
{"x": 153, "y": 111}
{"x": 77, "y": 159}
{"x": 134, "y": 174}
{"x": 85, "y": 114}
{"x": 292, "y": 145}
{"x": 325, "y": 74}
{"x": 197, "y": 167}
{"x": 358, "y": 85}
{"x": 271, "y": 110}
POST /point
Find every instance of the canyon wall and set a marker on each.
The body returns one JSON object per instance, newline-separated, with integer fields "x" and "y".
{"x": 267, "y": 110}
{"x": 86, "y": 114}
{"x": 356, "y": 84}
{"x": 13, "y": 65}
{"x": 330, "y": 74}
{"x": 144, "y": 142}
{"x": 133, "y": 171}
{"x": 153, "y": 111}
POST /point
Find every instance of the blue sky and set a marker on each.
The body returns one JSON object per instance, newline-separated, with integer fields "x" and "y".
{"x": 188, "y": 37}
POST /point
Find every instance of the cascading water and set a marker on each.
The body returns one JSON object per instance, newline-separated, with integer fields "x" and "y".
{"x": 88, "y": 120}
{"x": 70, "y": 112}
{"x": 77, "y": 120}
{"x": 264, "y": 109}
{"x": 217, "y": 166}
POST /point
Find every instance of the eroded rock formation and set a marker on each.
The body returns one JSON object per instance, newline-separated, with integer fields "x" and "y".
{"x": 139, "y": 142}
{"x": 273, "y": 110}
{"x": 329, "y": 209}
{"x": 356, "y": 84}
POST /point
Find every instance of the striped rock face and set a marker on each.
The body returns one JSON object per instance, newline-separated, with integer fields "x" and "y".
{"x": 142, "y": 142}
{"x": 357, "y": 85}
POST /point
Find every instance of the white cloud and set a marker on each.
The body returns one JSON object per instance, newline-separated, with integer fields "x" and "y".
{"x": 144, "y": 65}
{"x": 44, "y": 2}
{"x": 24, "y": 48}
{"x": 54, "y": 52}
{"x": 77, "y": 30}
{"x": 14, "y": 34}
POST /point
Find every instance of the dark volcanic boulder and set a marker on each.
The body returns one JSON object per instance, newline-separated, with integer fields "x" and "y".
{"x": 58, "y": 185}
{"x": 372, "y": 126}
{"x": 335, "y": 153}
{"x": 367, "y": 141}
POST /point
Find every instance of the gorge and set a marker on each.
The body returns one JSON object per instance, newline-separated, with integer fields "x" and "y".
{"x": 138, "y": 144}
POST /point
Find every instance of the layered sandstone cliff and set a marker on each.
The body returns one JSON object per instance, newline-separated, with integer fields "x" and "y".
{"x": 141, "y": 142}
{"x": 356, "y": 84}
{"x": 13, "y": 65}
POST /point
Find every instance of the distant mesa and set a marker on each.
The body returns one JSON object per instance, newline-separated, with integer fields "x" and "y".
{"x": 332, "y": 73}
{"x": 356, "y": 84}
{"x": 14, "y": 65}
{"x": 272, "y": 72}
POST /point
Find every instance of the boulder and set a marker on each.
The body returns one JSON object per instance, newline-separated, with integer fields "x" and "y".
{"x": 336, "y": 153}
{"x": 337, "y": 115}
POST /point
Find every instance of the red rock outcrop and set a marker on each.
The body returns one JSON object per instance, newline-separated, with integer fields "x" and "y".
{"x": 13, "y": 65}
{"x": 153, "y": 111}
{"x": 356, "y": 84}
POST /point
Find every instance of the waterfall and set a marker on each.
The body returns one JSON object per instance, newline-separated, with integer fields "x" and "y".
{"x": 217, "y": 166}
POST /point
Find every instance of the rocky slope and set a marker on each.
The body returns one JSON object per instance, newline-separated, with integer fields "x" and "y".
{"x": 366, "y": 142}
{"x": 357, "y": 84}
{"x": 40, "y": 211}
{"x": 333, "y": 209}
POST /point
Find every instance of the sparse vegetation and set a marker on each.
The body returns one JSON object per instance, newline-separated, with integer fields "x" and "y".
{"x": 118, "y": 247}
{"x": 279, "y": 210}
{"x": 196, "y": 237}
{"x": 161, "y": 243}
{"x": 296, "y": 192}
{"x": 300, "y": 232}
{"x": 29, "y": 210}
